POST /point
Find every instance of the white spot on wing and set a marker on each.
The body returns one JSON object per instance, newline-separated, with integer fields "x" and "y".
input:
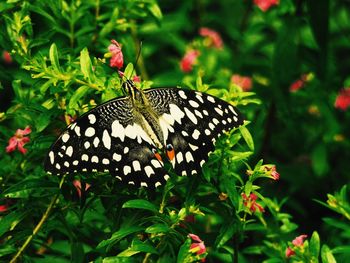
{"x": 149, "y": 171}
{"x": 84, "y": 157}
{"x": 176, "y": 112}
{"x": 166, "y": 177}
{"x": 199, "y": 97}
{"x": 219, "y": 111}
{"x": 196, "y": 134}
{"x": 201, "y": 163}
{"x": 179, "y": 157}
{"x": 207, "y": 132}
{"x": 136, "y": 165}
{"x": 211, "y": 99}
{"x": 232, "y": 109}
{"x": 65, "y": 137}
{"x": 86, "y": 145}
{"x": 193, "y": 147}
{"x": 118, "y": 130}
{"x": 182, "y": 94}
{"x": 52, "y": 157}
{"x": 198, "y": 114}
{"x": 126, "y": 170}
{"x": 193, "y": 104}
{"x": 216, "y": 122}
{"x": 156, "y": 163}
{"x": 116, "y": 157}
{"x": 157, "y": 184}
{"x": 211, "y": 126}
{"x": 144, "y": 184}
{"x": 77, "y": 130}
{"x": 76, "y": 162}
{"x": 89, "y": 132}
{"x": 189, "y": 157}
{"x": 96, "y": 141}
{"x": 126, "y": 149}
{"x": 106, "y": 139}
{"x": 191, "y": 116}
{"x": 105, "y": 161}
{"x": 94, "y": 159}
{"x": 92, "y": 118}
{"x": 69, "y": 151}
{"x": 66, "y": 164}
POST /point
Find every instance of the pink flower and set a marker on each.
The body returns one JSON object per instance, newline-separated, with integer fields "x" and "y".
{"x": 3, "y": 208}
{"x": 214, "y": 38}
{"x": 189, "y": 60}
{"x": 251, "y": 204}
{"x": 77, "y": 185}
{"x": 289, "y": 252}
{"x": 271, "y": 171}
{"x": 198, "y": 246}
{"x": 242, "y": 81}
{"x": 299, "y": 83}
{"x": 117, "y": 59}
{"x": 18, "y": 140}
{"x": 6, "y": 57}
{"x": 136, "y": 79}
{"x": 265, "y": 5}
{"x": 299, "y": 240}
{"x": 342, "y": 101}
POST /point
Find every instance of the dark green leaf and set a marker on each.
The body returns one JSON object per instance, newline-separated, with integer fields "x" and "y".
{"x": 54, "y": 58}
{"x": 140, "y": 204}
{"x": 157, "y": 228}
{"x": 117, "y": 236}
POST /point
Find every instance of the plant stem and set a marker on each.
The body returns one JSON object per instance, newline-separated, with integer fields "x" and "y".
{"x": 39, "y": 225}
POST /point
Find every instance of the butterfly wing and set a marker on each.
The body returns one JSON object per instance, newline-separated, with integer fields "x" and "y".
{"x": 191, "y": 121}
{"x": 107, "y": 139}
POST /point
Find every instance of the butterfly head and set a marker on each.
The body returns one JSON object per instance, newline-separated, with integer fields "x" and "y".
{"x": 130, "y": 89}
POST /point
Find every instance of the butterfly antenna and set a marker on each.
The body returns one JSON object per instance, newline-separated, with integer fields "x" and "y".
{"x": 137, "y": 57}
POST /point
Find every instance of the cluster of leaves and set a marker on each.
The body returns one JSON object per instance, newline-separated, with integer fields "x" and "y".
{"x": 58, "y": 71}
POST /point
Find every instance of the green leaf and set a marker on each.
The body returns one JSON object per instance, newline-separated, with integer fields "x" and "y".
{"x": 184, "y": 251}
{"x": 138, "y": 247}
{"x": 157, "y": 228}
{"x": 320, "y": 160}
{"x": 140, "y": 204}
{"x": 247, "y": 137}
{"x": 77, "y": 95}
{"x": 315, "y": 244}
{"x": 86, "y": 66}
{"x": 118, "y": 260}
{"x": 31, "y": 187}
{"x": 155, "y": 10}
{"x": 117, "y": 236}
{"x": 9, "y": 221}
{"x": 77, "y": 252}
{"x": 326, "y": 255}
{"x": 54, "y": 58}
{"x": 225, "y": 234}
{"x": 6, "y": 250}
{"x": 129, "y": 70}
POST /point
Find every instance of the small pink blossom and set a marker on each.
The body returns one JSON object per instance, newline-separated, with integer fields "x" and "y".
{"x": 3, "y": 208}
{"x": 242, "y": 81}
{"x": 136, "y": 79}
{"x": 342, "y": 101}
{"x": 251, "y": 204}
{"x": 198, "y": 246}
{"x": 299, "y": 240}
{"x": 18, "y": 140}
{"x": 213, "y": 37}
{"x": 117, "y": 59}
{"x": 289, "y": 252}
{"x": 265, "y": 5}
{"x": 189, "y": 60}
{"x": 271, "y": 171}
{"x": 77, "y": 185}
{"x": 7, "y": 57}
{"x": 299, "y": 83}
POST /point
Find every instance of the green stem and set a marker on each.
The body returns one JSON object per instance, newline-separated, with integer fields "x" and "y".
{"x": 39, "y": 225}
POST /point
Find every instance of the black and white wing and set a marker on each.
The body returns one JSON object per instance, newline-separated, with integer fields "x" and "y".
{"x": 191, "y": 121}
{"x": 107, "y": 139}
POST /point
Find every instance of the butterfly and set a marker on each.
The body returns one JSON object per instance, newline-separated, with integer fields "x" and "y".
{"x": 131, "y": 137}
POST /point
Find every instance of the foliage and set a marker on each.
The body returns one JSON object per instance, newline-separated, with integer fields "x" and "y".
{"x": 288, "y": 62}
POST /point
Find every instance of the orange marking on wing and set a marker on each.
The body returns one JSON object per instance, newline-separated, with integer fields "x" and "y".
{"x": 157, "y": 155}
{"x": 170, "y": 154}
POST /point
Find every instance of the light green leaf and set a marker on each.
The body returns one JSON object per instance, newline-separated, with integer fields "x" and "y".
{"x": 327, "y": 255}
{"x": 78, "y": 94}
{"x": 247, "y": 137}
{"x": 86, "y": 66}
{"x": 54, "y": 58}
{"x": 315, "y": 244}
{"x": 157, "y": 228}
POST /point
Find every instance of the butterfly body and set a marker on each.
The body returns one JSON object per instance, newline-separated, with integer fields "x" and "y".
{"x": 128, "y": 136}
